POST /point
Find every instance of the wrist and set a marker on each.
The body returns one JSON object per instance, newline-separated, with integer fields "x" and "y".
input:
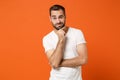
{"x": 61, "y": 40}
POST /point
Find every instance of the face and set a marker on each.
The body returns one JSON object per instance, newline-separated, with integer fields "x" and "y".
{"x": 57, "y": 19}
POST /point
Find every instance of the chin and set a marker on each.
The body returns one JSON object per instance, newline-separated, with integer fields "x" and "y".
{"x": 59, "y": 27}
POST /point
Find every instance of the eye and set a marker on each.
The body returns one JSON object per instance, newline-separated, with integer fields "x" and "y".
{"x": 54, "y": 18}
{"x": 61, "y": 16}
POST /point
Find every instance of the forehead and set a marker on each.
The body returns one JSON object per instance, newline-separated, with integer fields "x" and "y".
{"x": 57, "y": 12}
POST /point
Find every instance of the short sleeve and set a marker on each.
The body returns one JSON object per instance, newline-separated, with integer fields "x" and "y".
{"x": 46, "y": 44}
{"x": 80, "y": 37}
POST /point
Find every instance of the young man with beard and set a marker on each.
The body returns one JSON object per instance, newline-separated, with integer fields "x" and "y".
{"x": 65, "y": 47}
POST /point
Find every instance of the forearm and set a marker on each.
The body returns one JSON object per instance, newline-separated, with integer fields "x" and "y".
{"x": 57, "y": 55}
{"x": 73, "y": 62}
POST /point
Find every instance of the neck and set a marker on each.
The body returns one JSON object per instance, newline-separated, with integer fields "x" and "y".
{"x": 65, "y": 29}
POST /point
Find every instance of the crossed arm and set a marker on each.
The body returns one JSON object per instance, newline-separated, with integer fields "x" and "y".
{"x": 81, "y": 59}
{"x": 56, "y": 56}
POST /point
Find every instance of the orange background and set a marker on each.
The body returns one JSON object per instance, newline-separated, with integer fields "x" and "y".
{"x": 23, "y": 23}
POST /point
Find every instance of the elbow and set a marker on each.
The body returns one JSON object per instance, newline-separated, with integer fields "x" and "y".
{"x": 55, "y": 66}
{"x": 85, "y": 61}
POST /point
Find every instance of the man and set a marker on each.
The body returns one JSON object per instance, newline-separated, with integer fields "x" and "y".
{"x": 65, "y": 47}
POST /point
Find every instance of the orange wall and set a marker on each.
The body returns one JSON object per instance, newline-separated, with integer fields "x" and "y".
{"x": 23, "y": 23}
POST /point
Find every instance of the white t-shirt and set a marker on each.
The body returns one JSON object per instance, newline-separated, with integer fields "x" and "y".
{"x": 74, "y": 37}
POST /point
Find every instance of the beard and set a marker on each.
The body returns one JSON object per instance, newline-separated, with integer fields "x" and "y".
{"x": 61, "y": 25}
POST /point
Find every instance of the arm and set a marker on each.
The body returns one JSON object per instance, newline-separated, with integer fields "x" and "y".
{"x": 79, "y": 60}
{"x": 55, "y": 56}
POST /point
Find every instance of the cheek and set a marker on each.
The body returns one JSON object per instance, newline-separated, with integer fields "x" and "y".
{"x": 53, "y": 21}
{"x": 63, "y": 21}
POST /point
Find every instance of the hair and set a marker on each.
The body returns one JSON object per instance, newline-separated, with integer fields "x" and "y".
{"x": 56, "y": 7}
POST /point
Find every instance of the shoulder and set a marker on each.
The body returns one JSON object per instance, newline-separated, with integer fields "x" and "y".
{"x": 47, "y": 36}
{"x": 75, "y": 30}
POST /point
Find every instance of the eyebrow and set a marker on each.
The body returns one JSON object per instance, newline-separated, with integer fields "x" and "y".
{"x": 53, "y": 16}
{"x": 61, "y": 15}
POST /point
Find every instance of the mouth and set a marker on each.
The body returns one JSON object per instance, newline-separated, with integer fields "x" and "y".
{"x": 59, "y": 25}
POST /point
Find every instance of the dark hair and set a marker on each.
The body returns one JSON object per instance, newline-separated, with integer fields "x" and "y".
{"x": 56, "y": 7}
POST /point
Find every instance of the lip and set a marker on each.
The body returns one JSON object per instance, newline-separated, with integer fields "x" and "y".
{"x": 59, "y": 24}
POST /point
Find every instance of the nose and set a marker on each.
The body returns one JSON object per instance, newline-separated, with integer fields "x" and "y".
{"x": 58, "y": 20}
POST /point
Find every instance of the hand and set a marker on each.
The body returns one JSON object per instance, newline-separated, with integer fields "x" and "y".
{"x": 61, "y": 34}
